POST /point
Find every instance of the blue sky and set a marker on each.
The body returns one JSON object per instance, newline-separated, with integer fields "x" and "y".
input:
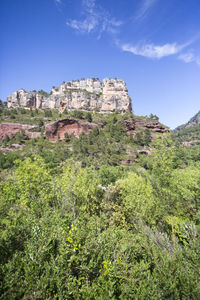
{"x": 154, "y": 45}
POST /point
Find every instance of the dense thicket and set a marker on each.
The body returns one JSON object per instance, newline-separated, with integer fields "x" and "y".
{"x": 82, "y": 226}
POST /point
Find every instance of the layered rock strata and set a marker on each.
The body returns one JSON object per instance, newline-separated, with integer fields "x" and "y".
{"x": 87, "y": 94}
{"x": 57, "y": 130}
{"x": 10, "y": 129}
{"x": 133, "y": 125}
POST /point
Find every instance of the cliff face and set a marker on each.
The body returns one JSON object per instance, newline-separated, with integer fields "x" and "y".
{"x": 132, "y": 126}
{"x": 56, "y": 131}
{"x": 10, "y": 129}
{"x": 88, "y": 94}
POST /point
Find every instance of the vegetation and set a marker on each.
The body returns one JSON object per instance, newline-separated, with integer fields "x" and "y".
{"x": 188, "y": 133}
{"x": 76, "y": 224}
{"x": 43, "y": 93}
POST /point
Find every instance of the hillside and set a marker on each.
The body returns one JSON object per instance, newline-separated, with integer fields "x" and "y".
{"x": 192, "y": 122}
{"x": 92, "y": 138}
{"x": 189, "y": 134}
{"x": 96, "y": 206}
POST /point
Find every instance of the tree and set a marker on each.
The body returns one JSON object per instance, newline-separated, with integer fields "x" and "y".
{"x": 151, "y": 116}
{"x": 89, "y": 117}
{"x": 78, "y": 114}
{"x": 41, "y": 123}
{"x": 6, "y": 139}
{"x": 147, "y": 137}
{"x": 67, "y": 136}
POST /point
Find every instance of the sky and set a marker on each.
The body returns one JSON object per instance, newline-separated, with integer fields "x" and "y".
{"x": 153, "y": 45}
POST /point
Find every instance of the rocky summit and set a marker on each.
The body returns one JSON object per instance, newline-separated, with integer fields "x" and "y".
{"x": 89, "y": 94}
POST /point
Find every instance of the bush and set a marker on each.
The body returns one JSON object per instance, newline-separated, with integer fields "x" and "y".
{"x": 78, "y": 114}
{"x": 48, "y": 113}
{"x": 88, "y": 117}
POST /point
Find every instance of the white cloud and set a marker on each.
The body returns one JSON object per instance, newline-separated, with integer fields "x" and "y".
{"x": 96, "y": 19}
{"x": 58, "y": 1}
{"x": 84, "y": 26}
{"x": 144, "y": 9}
{"x": 189, "y": 57}
{"x": 154, "y": 51}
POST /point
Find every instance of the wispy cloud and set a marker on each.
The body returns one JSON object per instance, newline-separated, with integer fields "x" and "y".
{"x": 144, "y": 9}
{"x": 84, "y": 26}
{"x": 95, "y": 19}
{"x": 58, "y": 1}
{"x": 153, "y": 51}
{"x": 189, "y": 57}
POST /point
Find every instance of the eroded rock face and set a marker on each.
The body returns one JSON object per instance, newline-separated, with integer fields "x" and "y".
{"x": 56, "y": 131}
{"x": 11, "y": 129}
{"x": 139, "y": 123}
{"x": 87, "y": 94}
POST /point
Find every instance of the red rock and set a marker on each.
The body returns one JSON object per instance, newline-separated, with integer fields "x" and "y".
{"x": 11, "y": 129}
{"x": 57, "y": 130}
{"x": 141, "y": 123}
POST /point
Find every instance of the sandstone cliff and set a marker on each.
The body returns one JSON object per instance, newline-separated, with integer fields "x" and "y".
{"x": 87, "y": 94}
{"x": 10, "y": 129}
{"x": 135, "y": 124}
{"x": 56, "y": 131}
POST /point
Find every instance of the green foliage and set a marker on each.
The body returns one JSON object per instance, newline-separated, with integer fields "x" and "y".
{"x": 78, "y": 114}
{"x": 48, "y": 113}
{"x": 75, "y": 224}
{"x": 136, "y": 197}
{"x": 101, "y": 146}
{"x": 154, "y": 117}
{"x": 88, "y": 117}
{"x": 142, "y": 137}
{"x": 6, "y": 139}
{"x": 19, "y": 138}
{"x": 40, "y": 123}
{"x": 43, "y": 93}
{"x": 7, "y": 160}
{"x": 188, "y": 134}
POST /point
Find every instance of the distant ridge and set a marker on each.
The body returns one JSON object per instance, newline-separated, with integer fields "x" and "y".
{"x": 195, "y": 120}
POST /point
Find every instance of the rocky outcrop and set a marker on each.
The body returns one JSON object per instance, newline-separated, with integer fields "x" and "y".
{"x": 62, "y": 129}
{"x": 133, "y": 125}
{"x": 11, "y": 129}
{"x": 87, "y": 94}
{"x": 192, "y": 122}
{"x": 190, "y": 143}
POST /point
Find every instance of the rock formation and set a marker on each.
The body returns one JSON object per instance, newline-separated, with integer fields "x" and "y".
{"x": 10, "y": 129}
{"x": 87, "y": 94}
{"x": 133, "y": 125}
{"x": 57, "y": 130}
